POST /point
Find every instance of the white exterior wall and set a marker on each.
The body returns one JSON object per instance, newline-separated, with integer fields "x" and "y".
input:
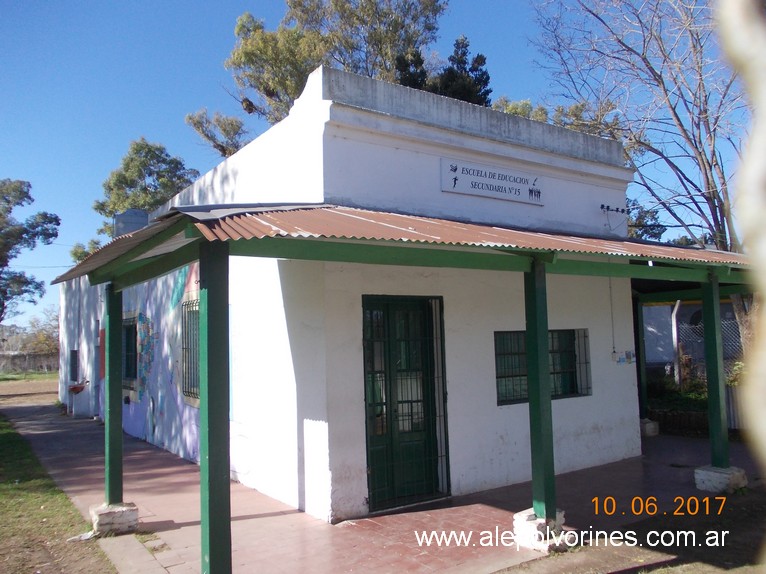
{"x": 282, "y": 165}
{"x": 395, "y": 166}
{"x": 80, "y": 309}
{"x": 488, "y": 444}
{"x": 157, "y": 411}
{"x": 355, "y": 141}
{"x": 297, "y": 412}
{"x": 279, "y": 441}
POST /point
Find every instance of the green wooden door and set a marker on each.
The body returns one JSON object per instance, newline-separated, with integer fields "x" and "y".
{"x": 399, "y": 396}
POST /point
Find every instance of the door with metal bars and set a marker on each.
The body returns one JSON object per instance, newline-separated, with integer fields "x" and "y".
{"x": 404, "y": 399}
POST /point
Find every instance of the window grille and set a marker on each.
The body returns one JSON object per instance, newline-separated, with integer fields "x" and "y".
{"x": 190, "y": 345}
{"x": 569, "y": 364}
{"x": 405, "y": 395}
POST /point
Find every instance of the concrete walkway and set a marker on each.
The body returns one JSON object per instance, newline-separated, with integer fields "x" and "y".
{"x": 269, "y": 536}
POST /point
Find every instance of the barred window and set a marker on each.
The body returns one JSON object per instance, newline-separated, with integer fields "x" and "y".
{"x": 129, "y": 353}
{"x": 569, "y": 364}
{"x": 190, "y": 345}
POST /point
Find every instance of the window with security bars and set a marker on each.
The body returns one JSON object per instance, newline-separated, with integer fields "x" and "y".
{"x": 190, "y": 345}
{"x": 568, "y": 361}
{"x": 129, "y": 353}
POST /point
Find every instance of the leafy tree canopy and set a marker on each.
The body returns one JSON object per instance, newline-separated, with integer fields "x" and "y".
{"x": 464, "y": 78}
{"x": 271, "y": 67}
{"x": 43, "y": 332}
{"x": 366, "y": 36}
{"x": 147, "y": 177}
{"x": 523, "y": 108}
{"x": 80, "y": 251}
{"x": 274, "y": 66}
{"x": 15, "y": 236}
{"x": 226, "y": 134}
{"x": 643, "y": 222}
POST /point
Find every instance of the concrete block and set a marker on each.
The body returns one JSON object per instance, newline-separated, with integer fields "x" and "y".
{"x": 714, "y": 479}
{"x": 114, "y": 518}
{"x": 649, "y": 427}
{"x": 529, "y": 531}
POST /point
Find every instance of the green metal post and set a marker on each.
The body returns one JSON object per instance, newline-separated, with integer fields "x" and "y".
{"x": 215, "y": 492}
{"x": 638, "y": 321}
{"x": 716, "y": 397}
{"x": 539, "y": 384}
{"x": 113, "y": 397}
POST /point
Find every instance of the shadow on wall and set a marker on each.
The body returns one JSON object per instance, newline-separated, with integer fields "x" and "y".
{"x": 78, "y": 341}
{"x": 304, "y": 316}
{"x": 162, "y": 416}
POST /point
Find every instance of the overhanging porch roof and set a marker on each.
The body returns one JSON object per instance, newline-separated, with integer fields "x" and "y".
{"x": 338, "y": 233}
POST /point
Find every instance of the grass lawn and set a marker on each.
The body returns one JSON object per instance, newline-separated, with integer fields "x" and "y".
{"x": 37, "y": 518}
{"x": 49, "y": 376}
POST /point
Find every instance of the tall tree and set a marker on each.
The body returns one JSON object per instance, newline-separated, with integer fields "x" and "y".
{"x": 271, "y": 67}
{"x": 653, "y": 70}
{"x": 523, "y": 108}
{"x": 643, "y": 222}
{"x": 80, "y": 251}
{"x": 225, "y": 134}
{"x": 43, "y": 332}
{"x": 366, "y": 36}
{"x": 410, "y": 70}
{"x": 656, "y": 66}
{"x": 148, "y": 176}
{"x": 464, "y": 78}
{"x": 15, "y": 236}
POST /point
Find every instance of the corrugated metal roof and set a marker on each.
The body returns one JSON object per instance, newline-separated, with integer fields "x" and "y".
{"x": 337, "y": 222}
{"x": 115, "y": 248}
{"x": 227, "y": 223}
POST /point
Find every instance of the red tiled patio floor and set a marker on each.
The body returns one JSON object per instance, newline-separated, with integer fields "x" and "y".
{"x": 270, "y": 536}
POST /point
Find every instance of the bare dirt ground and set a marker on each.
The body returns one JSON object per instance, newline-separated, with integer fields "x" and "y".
{"x": 740, "y": 551}
{"x": 745, "y": 520}
{"x": 35, "y": 540}
{"x": 28, "y": 392}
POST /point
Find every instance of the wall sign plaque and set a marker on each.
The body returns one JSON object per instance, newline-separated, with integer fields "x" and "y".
{"x": 458, "y": 176}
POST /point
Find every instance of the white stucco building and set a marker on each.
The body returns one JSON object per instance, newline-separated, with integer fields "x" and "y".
{"x": 382, "y": 246}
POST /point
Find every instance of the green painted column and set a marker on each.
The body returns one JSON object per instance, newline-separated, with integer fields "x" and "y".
{"x": 113, "y": 396}
{"x": 638, "y": 322}
{"x": 716, "y": 392}
{"x": 215, "y": 492}
{"x": 539, "y": 384}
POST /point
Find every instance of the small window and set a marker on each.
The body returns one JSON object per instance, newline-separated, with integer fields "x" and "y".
{"x": 190, "y": 344}
{"x": 74, "y": 365}
{"x": 568, "y": 361}
{"x": 129, "y": 353}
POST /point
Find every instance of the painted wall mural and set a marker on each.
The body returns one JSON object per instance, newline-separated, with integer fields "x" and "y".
{"x": 147, "y": 346}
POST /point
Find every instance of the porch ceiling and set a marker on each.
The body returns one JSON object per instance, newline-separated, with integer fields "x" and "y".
{"x": 337, "y": 233}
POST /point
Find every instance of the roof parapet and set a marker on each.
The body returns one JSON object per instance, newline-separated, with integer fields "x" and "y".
{"x": 417, "y": 105}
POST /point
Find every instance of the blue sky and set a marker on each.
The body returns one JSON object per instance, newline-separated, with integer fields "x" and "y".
{"x": 81, "y": 80}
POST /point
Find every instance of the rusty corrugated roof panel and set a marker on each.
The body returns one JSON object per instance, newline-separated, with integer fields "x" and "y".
{"x": 335, "y": 222}
{"x": 347, "y": 223}
{"x": 115, "y": 248}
